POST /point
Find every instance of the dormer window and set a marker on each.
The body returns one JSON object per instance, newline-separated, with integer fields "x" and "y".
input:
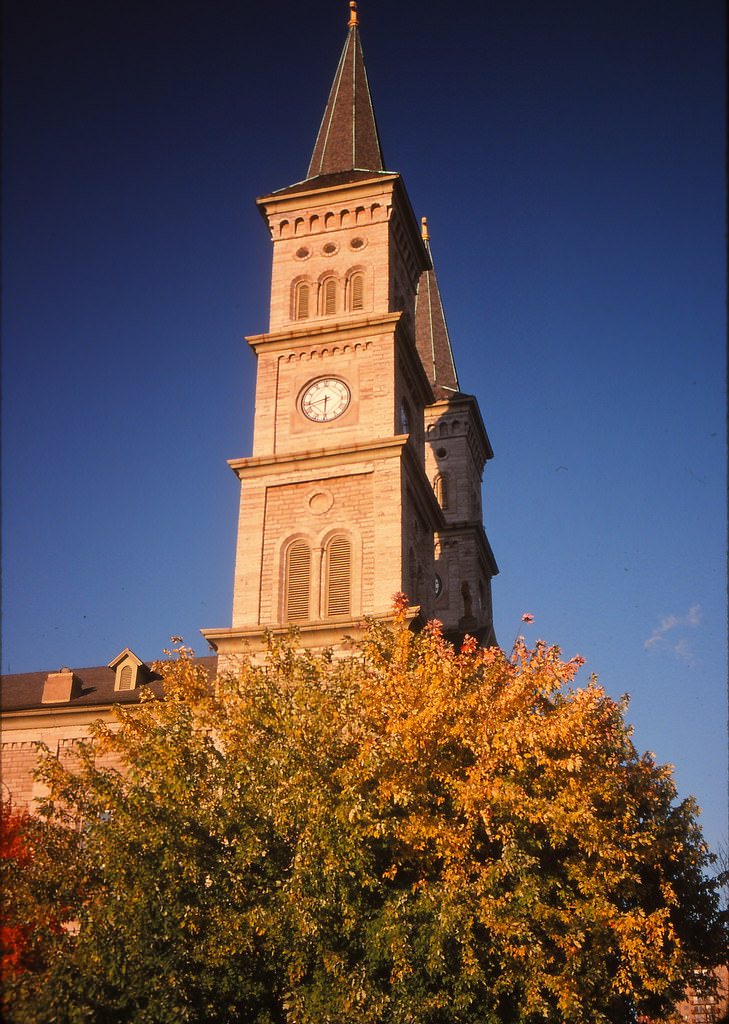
{"x": 130, "y": 671}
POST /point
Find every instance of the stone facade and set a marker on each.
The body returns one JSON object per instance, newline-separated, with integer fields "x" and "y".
{"x": 349, "y": 321}
{"x": 456, "y": 451}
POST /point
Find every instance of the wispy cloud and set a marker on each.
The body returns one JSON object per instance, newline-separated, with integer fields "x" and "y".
{"x": 680, "y": 646}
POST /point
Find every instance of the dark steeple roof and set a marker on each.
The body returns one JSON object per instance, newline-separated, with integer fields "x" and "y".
{"x": 431, "y": 332}
{"x": 348, "y": 138}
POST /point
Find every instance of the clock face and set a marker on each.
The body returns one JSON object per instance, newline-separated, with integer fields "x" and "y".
{"x": 325, "y": 399}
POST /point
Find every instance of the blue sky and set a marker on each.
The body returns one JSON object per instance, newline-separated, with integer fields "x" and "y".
{"x": 570, "y": 160}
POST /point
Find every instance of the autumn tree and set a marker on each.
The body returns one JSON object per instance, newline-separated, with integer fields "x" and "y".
{"x": 35, "y": 897}
{"x": 406, "y": 836}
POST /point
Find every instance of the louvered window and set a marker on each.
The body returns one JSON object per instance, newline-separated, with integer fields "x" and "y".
{"x": 330, "y": 297}
{"x": 298, "y": 581}
{"x": 339, "y": 576}
{"x": 301, "y": 303}
{"x": 125, "y": 678}
{"x": 356, "y": 294}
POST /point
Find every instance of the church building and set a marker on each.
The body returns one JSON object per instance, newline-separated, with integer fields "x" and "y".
{"x": 365, "y": 476}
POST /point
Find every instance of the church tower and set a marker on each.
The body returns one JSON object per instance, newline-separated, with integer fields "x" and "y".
{"x": 367, "y": 459}
{"x": 457, "y": 448}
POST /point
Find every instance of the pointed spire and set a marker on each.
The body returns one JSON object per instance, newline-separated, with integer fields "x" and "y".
{"x": 431, "y": 331}
{"x": 348, "y": 138}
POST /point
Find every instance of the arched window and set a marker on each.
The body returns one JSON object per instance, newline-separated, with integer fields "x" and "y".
{"x": 298, "y": 581}
{"x": 301, "y": 301}
{"x": 440, "y": 486}
{"x": 329, "y": 297}
{"x": 125, "y": 678}
{"x": 338, "y": 576}
{"x": 356, "y": 291}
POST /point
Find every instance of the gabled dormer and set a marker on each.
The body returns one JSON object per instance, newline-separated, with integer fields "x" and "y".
{"x": 130, "y": 671}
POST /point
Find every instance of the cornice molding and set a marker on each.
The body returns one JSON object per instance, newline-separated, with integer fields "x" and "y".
{"x": 474, "y": 531}
{"x": 268, "y": 465}
{"x": 274, "y": 202}
{"x": 55, "y": 718}
{"x": 319, "y": 334}
{"x": 444, "y": 406}
{"x": 228, "y": 641}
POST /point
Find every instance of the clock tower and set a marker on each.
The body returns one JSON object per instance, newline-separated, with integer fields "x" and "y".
{"x": 366, "y": 468}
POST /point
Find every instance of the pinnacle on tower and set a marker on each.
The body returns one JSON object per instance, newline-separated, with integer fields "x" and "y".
{"x": 431, "y": 331}
{"x": 348, "y": 138}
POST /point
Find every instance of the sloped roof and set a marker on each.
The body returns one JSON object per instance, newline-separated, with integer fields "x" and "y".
{"x": 431, "y": 331}
{"x": 348, "y": 138}
{"x": 24, "y": 691}
{"x": 324, "y": 181}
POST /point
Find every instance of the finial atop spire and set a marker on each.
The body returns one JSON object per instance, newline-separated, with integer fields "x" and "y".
{"x": 431, "y": 330}
{"x": 348, "y": 138}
